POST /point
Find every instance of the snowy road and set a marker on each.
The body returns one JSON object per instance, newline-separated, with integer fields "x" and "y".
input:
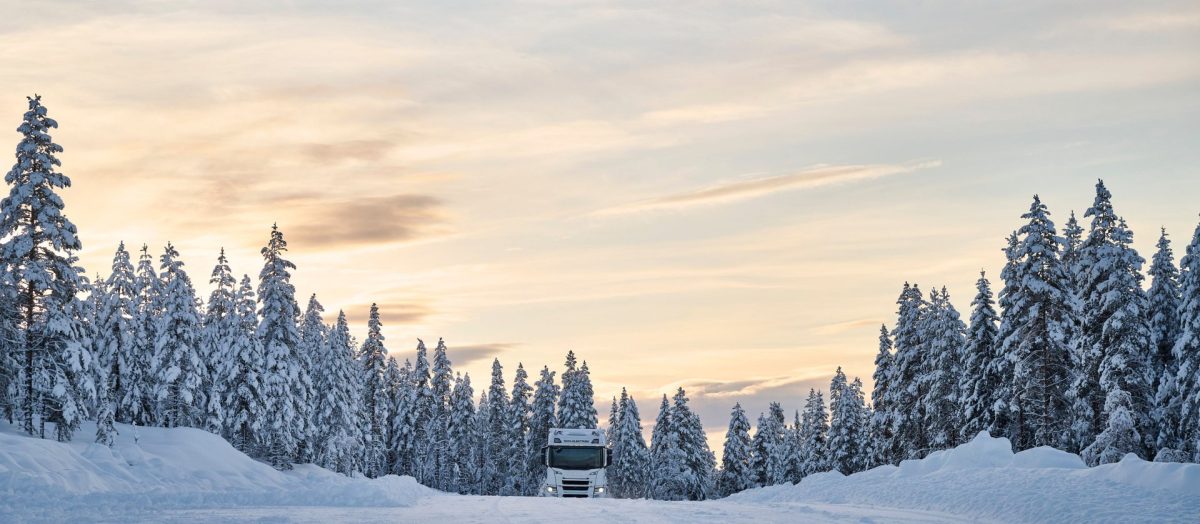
{"x": 518, "y": 509}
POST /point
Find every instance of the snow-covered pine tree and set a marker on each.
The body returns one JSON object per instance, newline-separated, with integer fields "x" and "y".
{"x": 313, "y": 332}
{"x": 1185, "y": 391}
{"x": 614, "y": 415}
{"x": 408, "y": 428}
{"x": 116, "y": 334}
{"x": 944, "y": 334}
{"x": 71, "y": 370}
{"x": 847, "y": 433}
{"x": 586, "y": 398}
{"x": 281, "y": 340}
{"x": 517, "y": 432}
{"x": 760, "y": 449}
{"x": 910, "y": 366}
{"x": 339, "y": 437}
{"x": 460, "y": 433}
{"x": 483, "y": 467}
{"x": 1115, "y": 324}
{"x": 814, "y": 431}
{"x": 881, "y": 415}
{"x": 780, "y": 455}
{"x": 1040, "y": 315}
{"x": 630, "y": 468}
{"x": 179, "y": 371}
{"x": 497, "y": 408}
{"x": 37, "y": 257}
{"x": 699, "y": 461}
{"x": 794, "y": 442}
{"x": 576, "y": 408}
{"x": 670, "y": 477}
{"x": 541, "y": 419}
{"x": 977, "y": 384}
{"x": 106, "y": 432}
{"x": 401, "y": 457}
{"x": 414, "y": 448}
{"x": 440, "y": 388}
{"x": 737, "y": 467}
{"x": 1164, "y": 297}
{"x": 216, "y": 343}
{"x": 1163, "y": 310}
{"x": 1120, "y": 435}
{"x": 1003, "y": 363}
{"x": 138, "y": 401}
{"x": 246, "y": 402}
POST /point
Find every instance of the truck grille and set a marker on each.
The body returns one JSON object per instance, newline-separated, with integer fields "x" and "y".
{"x": 576, "y": 488}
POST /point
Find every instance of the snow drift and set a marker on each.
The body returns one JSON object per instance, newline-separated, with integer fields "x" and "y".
{"x": 984, "y": 479}
{"x": 191, "y": 475}
{"x": 159, "y": 467}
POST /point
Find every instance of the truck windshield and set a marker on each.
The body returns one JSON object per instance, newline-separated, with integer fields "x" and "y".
{"x": 565, "y": 457}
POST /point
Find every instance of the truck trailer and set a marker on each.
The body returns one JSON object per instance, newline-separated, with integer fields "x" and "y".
{"x": 575, "y": 460}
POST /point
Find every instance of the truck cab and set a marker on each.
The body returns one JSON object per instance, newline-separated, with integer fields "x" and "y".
{"x": 575, "y": 460}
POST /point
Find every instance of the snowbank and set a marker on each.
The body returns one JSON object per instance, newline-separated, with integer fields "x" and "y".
{"x": 151, "y": 468}
{"x": 984, "y": 479}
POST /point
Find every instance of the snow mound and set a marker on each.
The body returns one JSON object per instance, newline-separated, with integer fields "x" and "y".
{"x": 984, "y": 480}
{"x": 168, "y": 467}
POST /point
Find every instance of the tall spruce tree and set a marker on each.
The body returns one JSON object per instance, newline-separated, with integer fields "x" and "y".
{"x": 497, "y": 415}
{"x": 943, "y": 331}
{"x": 848, "y": 437}
{"x": 139, "y": 398}
{"x": 1040, "y": 341}
{"x": 814, "y": 431}
{"x": 339, "y": 435}
{"x": 460, "y": 432}
{"x": 1164, "y": 298}
{"x": 1004, "y": 362}
{"x": 277, "y": 328}
{"x": 1185, "y": 392}
{"x": 373, "y": 359}
{"x": 779, "y": 453}
{"x": 313, "y": 332}
{"x": 116, "y": 335}
{"x": 977, "y": 382}
{"x": 630, "y": 468}
{"x": 179, "y": 370}
{"x": 1163, "y": 310}
{"x": 1115, "y": 334}
{"x": 576, "y": 408}
{"x": 517, "y": 431}
{"x": 737, "y": 466}
{"x": 39, "y": 272}
{"x": 910, "y": 366}
{"x": 882, "y": 420}
{"x": 220, "y": 326}
{"x": 699, "y": 462}
{"x": 542, "y": 418}
{"x": 246, "y": 402}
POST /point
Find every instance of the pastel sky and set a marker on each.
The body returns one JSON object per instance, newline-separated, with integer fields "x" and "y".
{"x": 724, "y": 196}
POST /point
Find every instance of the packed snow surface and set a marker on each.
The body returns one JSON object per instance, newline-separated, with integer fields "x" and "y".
{"x": 184, "y": 475}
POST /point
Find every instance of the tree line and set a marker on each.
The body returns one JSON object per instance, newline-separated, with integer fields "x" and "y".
{"x": 1074, "y": 354}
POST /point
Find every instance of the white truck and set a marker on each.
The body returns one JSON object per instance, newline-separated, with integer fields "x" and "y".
{"x": 575, "y": 460}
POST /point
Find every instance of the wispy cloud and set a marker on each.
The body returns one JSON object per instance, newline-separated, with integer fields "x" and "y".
{"x": 817, "y": 176}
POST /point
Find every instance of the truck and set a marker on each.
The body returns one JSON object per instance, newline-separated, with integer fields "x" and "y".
{"x": 575, "y": 459}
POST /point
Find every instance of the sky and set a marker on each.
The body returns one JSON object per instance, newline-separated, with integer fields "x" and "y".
{"x": 722, "y": 196}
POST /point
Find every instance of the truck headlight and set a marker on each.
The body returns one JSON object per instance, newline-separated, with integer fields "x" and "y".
{"x": 600, "y": 490}
{"x": 551, "y": 489}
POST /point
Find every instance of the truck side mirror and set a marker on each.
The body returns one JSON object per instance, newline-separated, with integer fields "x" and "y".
{"x": 546, "y": 456}
{"x": 607, "y": 456}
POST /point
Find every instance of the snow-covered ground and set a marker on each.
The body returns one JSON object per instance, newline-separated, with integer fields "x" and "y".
{"x": 186, "y": 475}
